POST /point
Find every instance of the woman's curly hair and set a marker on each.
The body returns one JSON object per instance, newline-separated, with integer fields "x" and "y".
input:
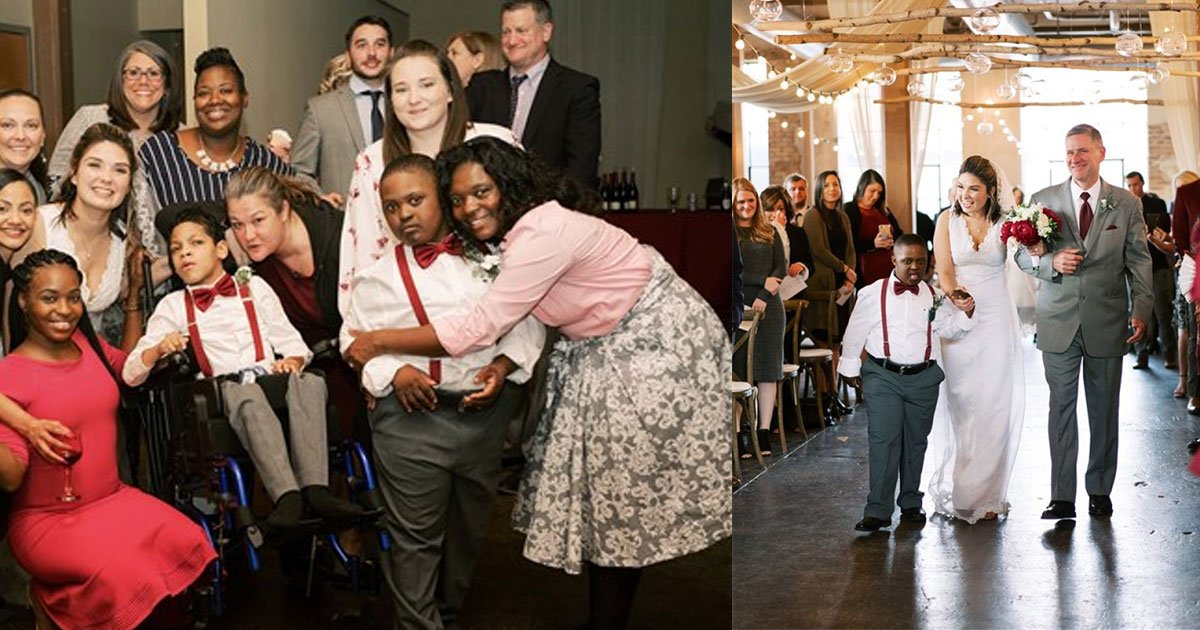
{"x": 523, "y": 180}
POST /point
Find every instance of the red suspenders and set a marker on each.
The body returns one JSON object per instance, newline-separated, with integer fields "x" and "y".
{"x": 193, "y": 331}
{"x": 887, "y": 349}
{"x": 435, "y": 366}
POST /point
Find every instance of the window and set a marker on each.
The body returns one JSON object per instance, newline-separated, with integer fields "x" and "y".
{"x": 755, "y": 143}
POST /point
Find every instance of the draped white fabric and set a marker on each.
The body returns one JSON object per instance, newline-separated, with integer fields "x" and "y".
{"x": 919, "y": 114}
{"x": 1181, "y": 95}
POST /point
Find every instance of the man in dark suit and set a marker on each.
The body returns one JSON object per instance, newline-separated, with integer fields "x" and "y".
{"x": 339, "y": 124}
{"x": 1162, "y": 257}
{"x": 555, "y": 110}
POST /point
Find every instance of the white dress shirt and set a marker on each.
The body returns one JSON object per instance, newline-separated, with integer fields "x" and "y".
{"x": 362, "y": 102}
{"x": 908, "y": 319}
{"x": 448, "y": 287}
{"x": 526, "y": 92}
{"x": 1093, "y": 198}
{"x": 224, "y": 332}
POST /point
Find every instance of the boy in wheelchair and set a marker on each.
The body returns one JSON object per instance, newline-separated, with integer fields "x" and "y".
{"x": 437, "y": 436}
{"x": 235, "y": 328}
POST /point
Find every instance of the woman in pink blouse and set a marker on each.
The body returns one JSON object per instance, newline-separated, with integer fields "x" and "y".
{"x": 628, "y": 464}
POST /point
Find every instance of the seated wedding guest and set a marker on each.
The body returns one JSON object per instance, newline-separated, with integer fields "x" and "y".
{"x": 797, "y": 188}
{"x": 22, "y": 134}
{"x": 101, "y": 554}
{"x": 832, "y": 244}
{"x": 290, "y": 237}
{"x": 429, "y": 114}
{"x": 777, "y": 205}
{"x": 623, "y": 313}
{"x": 764, "y": 265}
{"x": 437, "y": 437}
{"x": 873, "y": 227}
{"x": 238, "y": 327}
{"x": 337, "y": 126}
{"x": 195, "y": 164}
{"x": 18, "y": 215}
{"x": 143, "y": 99}
{"x": 896, "y": 321}
{"x": 474, "y": 51}
{"x": 89, "y": 224}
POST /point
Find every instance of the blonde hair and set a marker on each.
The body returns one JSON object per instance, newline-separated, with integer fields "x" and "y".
{"x": 275, "y": 188}
{"x": 337, "y": 73}
{"x": 481, "y": 42}
{"x": 760, "y": 230}
{"x": 1185, "y": 177}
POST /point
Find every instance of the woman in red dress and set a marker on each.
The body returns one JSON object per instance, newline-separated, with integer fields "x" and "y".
{"x": 106, "y": 560}
{"x": 874, "y": 227}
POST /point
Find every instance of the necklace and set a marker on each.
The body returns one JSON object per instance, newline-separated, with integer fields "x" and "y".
{"x": 224, "y": 166}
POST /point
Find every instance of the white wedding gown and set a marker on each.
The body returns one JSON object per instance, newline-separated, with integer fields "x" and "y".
{"x": 981, "y": 404}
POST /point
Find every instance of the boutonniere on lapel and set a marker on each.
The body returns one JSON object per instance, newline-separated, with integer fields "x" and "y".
{"x": 485, "y": 266}
{"x": 939, "y": 298}
{"x": 243, "y": 274}
{"x": 1106, "y": 203}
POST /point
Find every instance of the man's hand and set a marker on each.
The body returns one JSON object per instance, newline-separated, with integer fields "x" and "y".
{"x": 172, "y": 343}
{"x": 1067, "y": 261}
{"x": 362, "y": 349}
{"x": 288, "y": 365}
{"x": 414, "y": 389}
{"x": 492, "y": 377}
{"x": 1139, "y": 330}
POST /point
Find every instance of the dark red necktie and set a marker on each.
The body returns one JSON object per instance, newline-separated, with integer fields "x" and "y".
{"x": 426, "y": 254}
{"x": 1085, "y": 215}
{"x": 900, "y": 288}
{"x": 204, "y": 297}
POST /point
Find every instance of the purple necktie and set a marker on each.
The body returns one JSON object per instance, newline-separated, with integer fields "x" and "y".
{"x": 1085, "y": 215}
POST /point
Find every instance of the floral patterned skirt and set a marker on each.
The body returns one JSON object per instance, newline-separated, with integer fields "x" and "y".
{"x": 629, "y": 465}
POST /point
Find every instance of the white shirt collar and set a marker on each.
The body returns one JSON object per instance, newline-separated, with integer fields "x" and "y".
{"x": 1093, "y": 193}
{"x": 535, "y": 72}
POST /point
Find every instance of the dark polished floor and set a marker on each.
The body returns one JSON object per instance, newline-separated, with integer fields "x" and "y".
{"x": 798, "y": 563}
{"x": 508, "y": 593}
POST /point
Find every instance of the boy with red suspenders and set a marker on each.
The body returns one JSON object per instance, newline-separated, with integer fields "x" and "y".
{"x": 898, "y": 321}
{"x": 236, "y": 328}
{"x": 437, "y": 440}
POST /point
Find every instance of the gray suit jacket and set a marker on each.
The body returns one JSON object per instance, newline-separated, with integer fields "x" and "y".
{"x": 1115, "y": 267}
{"x": 330, "y": 137}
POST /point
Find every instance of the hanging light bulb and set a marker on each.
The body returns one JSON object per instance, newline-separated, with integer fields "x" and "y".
{"x": 985, "y": 20}
{"x": 812, "y": 97}
{"x": 955, "y": 83}
{"x": 1129, "y": 44}
{"x": 816, "y": 141}
{"x": 766, "y": 10}
{"x": 800, "y": 134}
{"x": 1158, "y": 74}
{"x": 978, "y": 63}
{"x": 984, "y": 128}
{"x": 1172, "y": 43}
{"x": 799, "y": 92}
{"x": 783, "y": 125}
{"x": 1006, "y": 91}
{"x": 771, "y": 115}
{"x": 840, "y": 62}
{"x": 914, "y": 88}
{"x": 783, "y": 85}
{"x": 771, "y": 74}
{"x": 885, "y": 75}
{"x": 970, "y": 117}
{"x": 740, "y": 44}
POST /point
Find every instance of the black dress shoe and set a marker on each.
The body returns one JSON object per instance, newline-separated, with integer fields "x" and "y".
{"x": 1193, "y": 446}
{"x": 1143, "y": 362}
{"x": 1059, "y": 509}
{"x": 871, "y": 524}
{"x": 1099, "y": 505}
{"x": 912, "y": 515}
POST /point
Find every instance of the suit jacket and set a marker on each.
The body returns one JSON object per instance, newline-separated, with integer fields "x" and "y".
{"x": 1116, "y": 263}
{"x": 330, "y": 137}
{"x": 564, "y": 120}
{"x": 1184, "y": 216}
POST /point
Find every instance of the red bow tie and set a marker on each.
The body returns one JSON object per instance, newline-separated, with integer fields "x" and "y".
{"x": 426, "y": 254}
{"x": 204, "y": 297}
{"x": 900, "y": 288}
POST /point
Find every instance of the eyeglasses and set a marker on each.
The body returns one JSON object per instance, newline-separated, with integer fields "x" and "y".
{"x": 133, "y": 75}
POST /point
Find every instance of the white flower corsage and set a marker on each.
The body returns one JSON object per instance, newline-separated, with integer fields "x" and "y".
{"x": 243, "y": 274}
{"x": 939, "y": 298}
{"x": 1107, "y": 203}
{"x": 484, "y": 265}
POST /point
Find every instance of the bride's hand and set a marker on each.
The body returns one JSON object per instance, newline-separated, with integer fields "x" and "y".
{"x": 966, "y": 305}
{"x": 1037, "y": 250}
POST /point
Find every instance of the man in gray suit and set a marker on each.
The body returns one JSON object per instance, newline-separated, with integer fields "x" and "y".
{"x": 338, "y": 125}
{"x": 1083, "y": 303}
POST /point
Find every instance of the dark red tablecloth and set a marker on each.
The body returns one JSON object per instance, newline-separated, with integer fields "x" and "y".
{"x": 695, "y": 243}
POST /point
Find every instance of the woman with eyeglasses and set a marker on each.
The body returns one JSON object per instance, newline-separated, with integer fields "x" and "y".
{"x": 143, "y": 99}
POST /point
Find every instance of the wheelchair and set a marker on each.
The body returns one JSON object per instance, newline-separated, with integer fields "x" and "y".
{"x": 195, "y": 462}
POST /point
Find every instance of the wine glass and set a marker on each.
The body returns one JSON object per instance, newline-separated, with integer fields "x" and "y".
{"x": 673, "y": 197}
{"x": 71, "y": 454}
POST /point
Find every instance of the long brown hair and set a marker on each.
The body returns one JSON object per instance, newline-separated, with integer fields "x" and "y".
{"x": 395, "y": 136}
{"x": 275, "y": 188}
{"x": 760, "y": 229}
{"x": 100, "y": 132}
{"x": 985, "y": 171}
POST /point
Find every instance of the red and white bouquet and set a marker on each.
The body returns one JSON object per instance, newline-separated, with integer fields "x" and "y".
{"x": 1030, "y": 224}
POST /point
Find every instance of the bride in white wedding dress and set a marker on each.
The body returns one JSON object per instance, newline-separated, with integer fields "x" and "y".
{"x": 981, "y": 406}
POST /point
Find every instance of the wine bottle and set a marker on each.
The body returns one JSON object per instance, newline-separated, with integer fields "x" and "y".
{"x": 631, "y": 202}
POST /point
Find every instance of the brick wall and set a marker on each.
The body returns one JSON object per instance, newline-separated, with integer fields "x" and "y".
{"x": 783, "y": 145}
{"x": 1162, "y": 167}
